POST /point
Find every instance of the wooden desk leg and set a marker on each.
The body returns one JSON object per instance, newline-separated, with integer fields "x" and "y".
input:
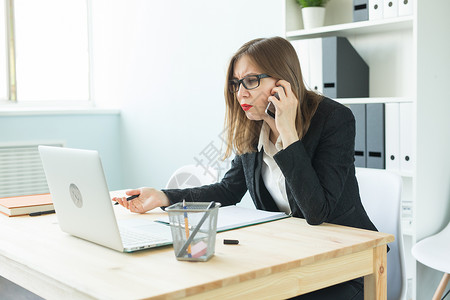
{"x": 441, "y": 288}
{"x": 375, "y": 285}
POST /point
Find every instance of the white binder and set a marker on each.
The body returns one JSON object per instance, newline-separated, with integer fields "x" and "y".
{"x": 406, "y": 137}
{"x": 302, "y": 49}
{"x": 405, "y": 7}
{"x": 375, "y": 9}
{"x": 315, "y": 65}
{"x": 392, "y": 135}
{"x": 390, "y": 8}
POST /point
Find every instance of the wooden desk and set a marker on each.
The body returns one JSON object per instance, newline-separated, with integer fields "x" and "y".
{"x": 273, "y": 260}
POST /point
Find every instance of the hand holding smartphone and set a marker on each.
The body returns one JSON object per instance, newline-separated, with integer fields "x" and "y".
{"x": 270, "y": 109}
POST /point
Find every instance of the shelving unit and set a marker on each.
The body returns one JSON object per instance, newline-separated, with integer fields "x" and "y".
{"x": 347, "y": 101}
{"x": 349, "y": 29}
{"x": 409, "y": 63}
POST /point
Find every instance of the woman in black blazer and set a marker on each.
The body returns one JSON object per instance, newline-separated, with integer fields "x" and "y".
{"x": 300, "y": 161}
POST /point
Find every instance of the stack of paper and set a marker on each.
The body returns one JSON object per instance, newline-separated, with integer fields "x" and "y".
{"x": 231, "y": 217}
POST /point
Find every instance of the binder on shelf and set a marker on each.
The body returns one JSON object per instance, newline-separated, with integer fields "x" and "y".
{"x": 302, "y": 49}
{"x": 360, "y": 10}
{"x": 392, "y": 133}
{"x": 405, "y": 7}
{"x": 345, "y": 73}
{"x": 375, "y": 136}
{"x": 390, "y": 8}
{"x": 375, "y": 9}
{"x": 406, "y": 137}
{"x": 316, "y": 64}
{"x": 359, "y": 111}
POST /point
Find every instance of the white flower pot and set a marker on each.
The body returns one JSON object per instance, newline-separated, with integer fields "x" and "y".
{"x": 313, "y": 17}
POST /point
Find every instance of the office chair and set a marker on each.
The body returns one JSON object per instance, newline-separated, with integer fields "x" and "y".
{"x": 191, "y": 176}
{"x": 433, "y": 252}
{"x": 380, "y": 193}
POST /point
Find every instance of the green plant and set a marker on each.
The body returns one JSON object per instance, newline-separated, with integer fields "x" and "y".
{"x": 312, "y": 3}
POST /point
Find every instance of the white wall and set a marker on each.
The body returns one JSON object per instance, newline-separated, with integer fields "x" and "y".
{"x": 163, "y": 63}
{"x": 93, "y": 131}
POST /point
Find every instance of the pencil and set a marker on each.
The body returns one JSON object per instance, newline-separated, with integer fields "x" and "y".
{"x": 186, "y": 228}
{"x": 196, "y": 229}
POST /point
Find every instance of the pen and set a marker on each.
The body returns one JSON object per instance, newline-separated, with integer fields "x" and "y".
{"x": 186, "y": 227}
{"x": 132, "y": 197}
{"x": 38, "y": 213}
{"x": 129, "y": 198}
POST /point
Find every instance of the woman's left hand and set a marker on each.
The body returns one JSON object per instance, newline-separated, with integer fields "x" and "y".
{"x": 286, "y": 112}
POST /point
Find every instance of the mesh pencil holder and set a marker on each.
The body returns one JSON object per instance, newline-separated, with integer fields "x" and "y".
{"x": 193, "y": 229}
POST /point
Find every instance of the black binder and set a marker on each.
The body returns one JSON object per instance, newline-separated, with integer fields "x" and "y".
{"x": 345, "y": 74}
{"x": 360, "y": 10}
{"x": 375, "y": 135}
{"x": 370, "y": 135}
{"x": 359, "y": 111}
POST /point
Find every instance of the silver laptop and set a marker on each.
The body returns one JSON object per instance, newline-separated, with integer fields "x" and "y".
{"x": 83, "y": 205}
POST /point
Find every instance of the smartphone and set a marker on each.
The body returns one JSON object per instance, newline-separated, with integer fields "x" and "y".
{"x": 270, "y": 109}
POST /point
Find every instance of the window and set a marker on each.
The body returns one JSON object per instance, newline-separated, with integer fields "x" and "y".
{"x": 51, "y": 50}
{"x": 3, "y": 56}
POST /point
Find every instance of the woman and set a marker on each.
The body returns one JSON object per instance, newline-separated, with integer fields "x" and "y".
{"x": 301, "y": 161}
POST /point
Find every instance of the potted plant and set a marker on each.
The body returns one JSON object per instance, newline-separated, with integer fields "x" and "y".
{"x": 313, "y": 12}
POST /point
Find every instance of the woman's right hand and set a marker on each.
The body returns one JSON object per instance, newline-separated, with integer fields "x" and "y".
{"x": 286, "y": 112}
{"x": 149, "y": 198}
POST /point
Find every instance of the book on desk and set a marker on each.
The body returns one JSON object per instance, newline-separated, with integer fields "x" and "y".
{"x": 24, "y": 205}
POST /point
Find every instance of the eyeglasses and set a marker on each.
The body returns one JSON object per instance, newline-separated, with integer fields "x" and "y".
{"x": 250, "y": 82}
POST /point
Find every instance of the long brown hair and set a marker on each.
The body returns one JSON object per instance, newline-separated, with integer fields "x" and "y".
{"x": 277, "y": 58}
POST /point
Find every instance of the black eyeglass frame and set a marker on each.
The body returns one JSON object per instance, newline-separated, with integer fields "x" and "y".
{"x": 241, "y": 81}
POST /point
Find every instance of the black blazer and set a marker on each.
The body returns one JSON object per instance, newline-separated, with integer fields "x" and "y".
{"x": 319, "y": 170}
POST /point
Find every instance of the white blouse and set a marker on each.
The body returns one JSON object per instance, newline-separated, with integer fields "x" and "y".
{"x": 272, "y": 176}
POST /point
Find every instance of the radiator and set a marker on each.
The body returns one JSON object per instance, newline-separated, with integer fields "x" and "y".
{"x": 21, "y": 171}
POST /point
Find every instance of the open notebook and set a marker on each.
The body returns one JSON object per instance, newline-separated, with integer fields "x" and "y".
{"x": 232, "y": 217}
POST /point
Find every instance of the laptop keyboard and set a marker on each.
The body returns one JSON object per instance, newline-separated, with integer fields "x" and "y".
{"x": 134, "y": 238}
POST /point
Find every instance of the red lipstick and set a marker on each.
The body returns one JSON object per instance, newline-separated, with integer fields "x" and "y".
{"x": 246, "y": 107}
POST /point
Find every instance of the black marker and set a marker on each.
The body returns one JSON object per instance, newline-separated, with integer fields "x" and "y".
{"x": 230, "y": 242}
{"x": 129, "y": 198}
{"x": 38, "y": 213}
